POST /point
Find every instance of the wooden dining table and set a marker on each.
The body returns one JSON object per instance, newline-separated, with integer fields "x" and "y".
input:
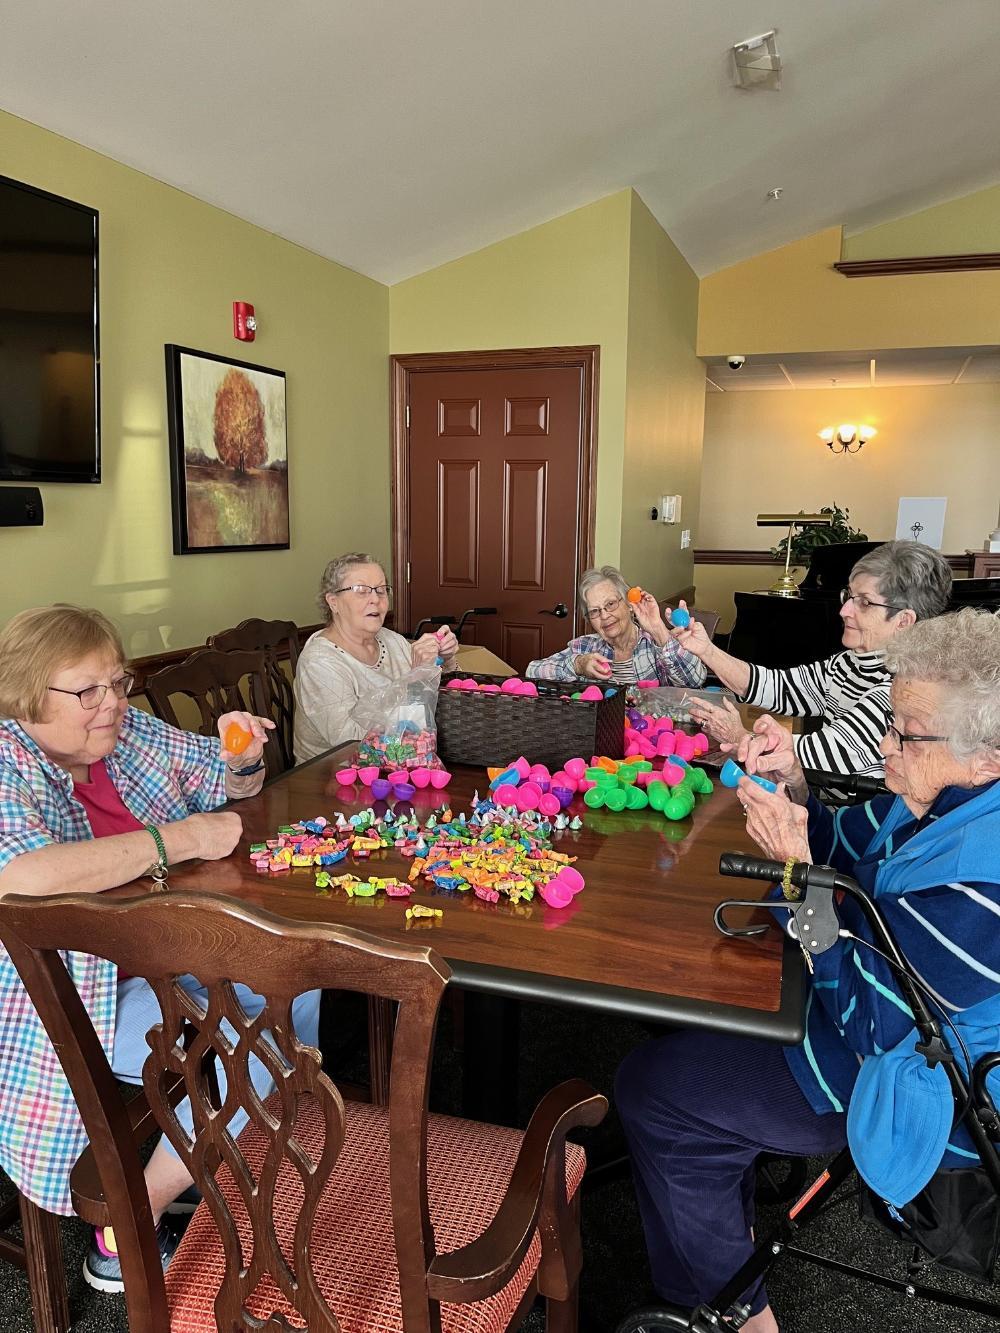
{"x": 639, "y": 941}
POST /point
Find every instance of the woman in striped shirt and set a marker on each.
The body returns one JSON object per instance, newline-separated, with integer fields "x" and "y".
{"x": 890, "y": 589}
{"x": 627, "y": 643}
{"x": 698, "y": 1107}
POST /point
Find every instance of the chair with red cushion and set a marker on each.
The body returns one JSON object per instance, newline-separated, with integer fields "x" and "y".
{"x": 329, "y": 1214}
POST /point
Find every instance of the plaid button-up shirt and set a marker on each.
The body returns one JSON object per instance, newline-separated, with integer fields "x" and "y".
{"x": 670, "y": 665}
{"x": 162, "y": 774}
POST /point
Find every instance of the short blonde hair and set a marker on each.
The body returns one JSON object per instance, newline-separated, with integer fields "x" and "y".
{"x": 37, "y": 643}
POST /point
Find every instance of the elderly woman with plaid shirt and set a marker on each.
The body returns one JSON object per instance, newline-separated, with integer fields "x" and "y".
{"x": 627, "y": 643}
{"x": 93, "y": 794}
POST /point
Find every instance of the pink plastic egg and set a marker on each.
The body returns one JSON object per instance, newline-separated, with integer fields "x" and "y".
{"x": 633, "y": 748}
{"x": 527, "y": 797}
{"x": 592, "y": 693}
{"x": 575, "y": 768}
{"x": 563, "y": 779}
{"x": 420, "y": 777}
{"x": 533, "y": 790}
{"x": 454, "y": 685}
{"x": 345, "y": 776}
{"x": 440, "y": 777}
{"x": 571, "y": 879}
{"x": 555, "y": 894}
{"x": 700, "y": 742}
{"x": 539, "y": 773}
{"x": 529, "y": 689}
{"x": 665, "y": 743}
{"x": 672, "y": 774}
{"x": 368, "y": 775}
{"x": 522, "y": 766}
{"x": 489, "y": 689}
{"x": 397, "y": 776}
{"x": 549, "y": 804}
{"x": 512, "y": 685}
{"x": 505, "y": 795}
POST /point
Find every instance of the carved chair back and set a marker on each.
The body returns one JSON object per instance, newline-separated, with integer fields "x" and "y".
{"x": 276, "y": 639}
{"x": 217, "y": 682}
{"x": 221, "y": 941}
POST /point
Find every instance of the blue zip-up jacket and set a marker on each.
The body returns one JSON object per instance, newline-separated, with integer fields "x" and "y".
{"x": 937, "y": 881}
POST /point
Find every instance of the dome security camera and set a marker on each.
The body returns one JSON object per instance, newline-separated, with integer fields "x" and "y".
{"x": 735, "y": 362}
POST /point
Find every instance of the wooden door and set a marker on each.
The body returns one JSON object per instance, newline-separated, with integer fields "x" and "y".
{"x": 497, "y": 476}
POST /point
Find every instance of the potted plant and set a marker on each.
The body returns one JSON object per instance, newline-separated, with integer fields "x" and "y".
{"x": 805, "y": 540}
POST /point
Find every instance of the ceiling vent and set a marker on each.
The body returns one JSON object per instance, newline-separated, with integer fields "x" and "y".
{"x": 757, "y": 63}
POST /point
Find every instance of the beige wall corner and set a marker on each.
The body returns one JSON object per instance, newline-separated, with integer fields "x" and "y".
{"x": 664, "y": 407}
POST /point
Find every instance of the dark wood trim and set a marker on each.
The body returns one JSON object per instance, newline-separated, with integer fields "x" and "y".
{"x": 880, "y": 268}
{"x": 144, "y": 667}
{"x": 960, "y": 563}
{"x": 587, "y": 358}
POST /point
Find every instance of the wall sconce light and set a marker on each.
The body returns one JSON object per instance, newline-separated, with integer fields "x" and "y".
{"x": 848, "y": 438}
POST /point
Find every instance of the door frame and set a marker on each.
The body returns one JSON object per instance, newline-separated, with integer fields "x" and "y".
{"x": 586, "y": 358}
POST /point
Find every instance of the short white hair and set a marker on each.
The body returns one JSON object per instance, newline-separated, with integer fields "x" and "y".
{"x": 961, "y": 652}
{"x": 606, "y": 574}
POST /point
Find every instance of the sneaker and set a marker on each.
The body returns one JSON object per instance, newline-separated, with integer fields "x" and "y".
{"x": 186, "y": 1202}
{"x": 102, "y": 1269}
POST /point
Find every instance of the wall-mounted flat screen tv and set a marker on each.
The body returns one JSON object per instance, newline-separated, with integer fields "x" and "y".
{"x": 49, "y": 349}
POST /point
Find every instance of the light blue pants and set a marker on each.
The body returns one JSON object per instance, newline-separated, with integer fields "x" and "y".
{"x": 138, "y": 1010}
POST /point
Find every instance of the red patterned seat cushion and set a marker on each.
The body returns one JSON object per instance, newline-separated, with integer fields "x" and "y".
{"x": 468, "y": 1169}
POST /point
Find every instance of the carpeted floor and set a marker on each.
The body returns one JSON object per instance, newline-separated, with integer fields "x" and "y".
{"x": 558, "y": 1044}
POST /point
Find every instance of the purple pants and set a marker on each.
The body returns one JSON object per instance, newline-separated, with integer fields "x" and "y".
{"x": 698, "y": 1108}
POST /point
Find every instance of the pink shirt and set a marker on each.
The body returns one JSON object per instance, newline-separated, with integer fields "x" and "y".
{"x": 107, "y": 812}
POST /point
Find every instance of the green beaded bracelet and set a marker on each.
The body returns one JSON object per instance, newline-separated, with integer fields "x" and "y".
{"x": 159, "y": 869}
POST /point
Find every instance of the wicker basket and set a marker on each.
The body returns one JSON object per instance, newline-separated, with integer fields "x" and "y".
{"x": 490, "y": 729}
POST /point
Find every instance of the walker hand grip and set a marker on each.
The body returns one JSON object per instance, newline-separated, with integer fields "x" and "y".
{"x": 755, "y": 867}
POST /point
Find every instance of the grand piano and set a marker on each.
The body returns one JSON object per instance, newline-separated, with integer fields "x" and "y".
{"x": 787, "y": 631}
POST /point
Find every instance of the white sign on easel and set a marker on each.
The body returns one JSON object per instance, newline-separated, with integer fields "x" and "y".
{"x": 921, "y": 519}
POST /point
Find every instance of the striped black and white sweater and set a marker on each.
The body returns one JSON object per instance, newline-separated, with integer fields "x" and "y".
{"x": 850, "y": 691}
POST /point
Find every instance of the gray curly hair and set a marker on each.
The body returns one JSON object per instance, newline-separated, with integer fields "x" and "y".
{"x": 335, "y": 573}
{"x": 909, "y": 574}
{"x": 606, "y": 574}
{"x": 960, "y": 651}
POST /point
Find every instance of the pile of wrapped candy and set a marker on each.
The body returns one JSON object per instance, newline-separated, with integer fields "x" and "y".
{"x": 399, "y": 749}
{"x": 492, "y": 853}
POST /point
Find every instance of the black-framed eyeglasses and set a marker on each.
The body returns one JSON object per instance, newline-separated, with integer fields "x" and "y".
{"x": 901, "y": 738}
{"x": 595, "y": 612}
{"x": 366, "y": 589}
{"x": 863, "y": 603}
{"x": 93, "y": 695}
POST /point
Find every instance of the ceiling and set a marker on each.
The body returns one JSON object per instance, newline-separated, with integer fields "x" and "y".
{"x": 857, "y": 370}
{"x": 395, "y": 136}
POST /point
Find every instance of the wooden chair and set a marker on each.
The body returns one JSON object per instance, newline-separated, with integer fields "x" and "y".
{"x": 40, "y": 1255}
{"x": 276, "y": 639}
{"x": 349, "y": 1215}
{"x": 218, "y": 683}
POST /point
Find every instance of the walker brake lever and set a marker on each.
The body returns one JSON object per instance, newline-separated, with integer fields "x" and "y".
{"x": 743, "y": 932}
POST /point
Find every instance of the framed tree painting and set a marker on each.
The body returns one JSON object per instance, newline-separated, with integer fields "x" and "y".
{"x": 228, "y": 454}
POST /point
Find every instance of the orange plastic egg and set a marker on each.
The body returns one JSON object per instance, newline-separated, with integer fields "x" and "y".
{"x": 236, "y": 739}
{"x": 635, "y": 596}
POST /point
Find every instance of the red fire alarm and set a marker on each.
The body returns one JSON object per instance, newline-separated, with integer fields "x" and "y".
{"x": 244, "y": 322}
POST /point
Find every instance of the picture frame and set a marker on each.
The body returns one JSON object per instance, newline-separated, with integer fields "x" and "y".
{"x": 226, "y": 423}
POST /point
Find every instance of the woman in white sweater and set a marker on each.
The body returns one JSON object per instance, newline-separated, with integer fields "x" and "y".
{"x": 354, "y": 654}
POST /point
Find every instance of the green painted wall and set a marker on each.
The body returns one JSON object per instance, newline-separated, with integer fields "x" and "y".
{"x": 564, "y": 283}
{"x": 171, "y": 267}
{"x": 969, "y": 225}
{"x": 664, "y": 407}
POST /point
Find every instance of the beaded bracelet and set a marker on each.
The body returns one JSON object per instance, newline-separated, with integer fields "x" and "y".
{"x": 159, "y": 870}
{"x": 787, "y": 887}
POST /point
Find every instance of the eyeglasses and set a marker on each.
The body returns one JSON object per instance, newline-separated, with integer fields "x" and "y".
{"x": 899, "y": 738}
{"x": 93, "y": 696}
{"x": 595, "y": 612}
{"x": 863, "y": 603}
{"x": 366, "y": 589}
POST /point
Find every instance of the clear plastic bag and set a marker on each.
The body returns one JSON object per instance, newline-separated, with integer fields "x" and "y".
{"x": 397, "y": 722}
{"x": 674, "y": 701}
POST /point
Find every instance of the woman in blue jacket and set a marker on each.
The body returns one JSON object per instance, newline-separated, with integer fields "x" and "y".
{"x": 699, "y": 1107}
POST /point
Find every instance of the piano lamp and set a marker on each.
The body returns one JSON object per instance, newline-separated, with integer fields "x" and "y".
{"x": 786, "y": 585}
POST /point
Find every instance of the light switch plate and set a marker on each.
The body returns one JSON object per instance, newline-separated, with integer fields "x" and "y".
{"x": 685, "y": 539}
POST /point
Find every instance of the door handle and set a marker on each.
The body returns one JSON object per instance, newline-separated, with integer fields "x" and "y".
{"x": 560, "y": 611}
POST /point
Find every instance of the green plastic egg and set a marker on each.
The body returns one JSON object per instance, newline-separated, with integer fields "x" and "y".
{"x": 615, "y": 799}
{"x": 659, "y": 794}
{"x": 636, "y": 799}
{"x": 594, "y": 797}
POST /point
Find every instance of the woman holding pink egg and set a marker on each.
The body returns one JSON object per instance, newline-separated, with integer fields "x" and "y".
{"x": 354, "y": 654}
{"x": 629, "y": 640}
